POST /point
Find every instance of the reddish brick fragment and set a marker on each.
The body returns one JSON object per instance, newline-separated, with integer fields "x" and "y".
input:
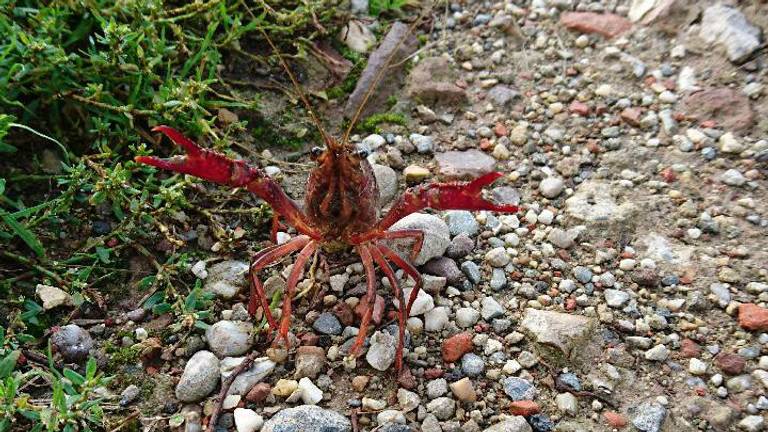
{"x": 456, "y": 346}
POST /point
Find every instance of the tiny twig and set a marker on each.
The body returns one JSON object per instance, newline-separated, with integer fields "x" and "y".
{"x": 247, "y": 362}
{"x": 353, "y": 417}
{"x": 38, "y": 358}
{"x": 125, "y": 421}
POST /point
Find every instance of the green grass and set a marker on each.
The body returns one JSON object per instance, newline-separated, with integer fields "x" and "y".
{"x": 81, "y": 86}
{"x": 371, "y": 123}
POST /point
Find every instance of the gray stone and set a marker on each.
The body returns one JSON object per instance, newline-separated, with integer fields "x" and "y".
{"x": 465, "y": 165}
{"x": 259, "y": 370}
{"x": 386, "y": 180}
{"x": 739, "y": 384}
{"x": 594, "y": 204}
{"x": 200, "y": 377}
{"x": 357, "y": 36}
{"x": 437, "y": 388}
{"x": 461, "y": 221}
{"x": 498, "y": 279}
{"x": 230, "y": 338}
{"x": 372, "y": 142}
{"x": 562, "y": 238}
{"x": 444, "y": 267}
{"x": 381, "y": 353}
{"x": 497, "y": 257}
{"x": 423, "y": 143}
{"x": 491, "y": 308}
{"x": 722, "y": 294}
{"x": 307, "y": 418}
{"x": 467, "y": 317}
{"x": 436, "y": 236}
{"x": 227, "y": 278}
{"x": 407, "y": 400}
{"x": 615, "y": 298}
{"x": 752, "y": 423}
{"x": 567, "y": 403}
{"x": 433, "y": 81}
{"x": 421, "y": 305}
{"x": 472, "y": 271}
{"x": 129, "y": 395}
{"x": 461, "y": 246}
{"x": 518, "y": 388}
{"x": 506, "y": 195}
{"x": 728, "y": 27}
{"x": 472, "y": 365}
{"x": 551, "y": 187}
{"x": 648, "y": 417}
{"x": 556, "y": 334}
{"x": 510, "y": 424}
{"x": 582, "y": 274}
{"x": 658, "y": 353}
{"x": 502, "y": 95}
{"x": 443, "y": 407}
{"x": 733, "y": 177}
{"x": 436, "y": 319}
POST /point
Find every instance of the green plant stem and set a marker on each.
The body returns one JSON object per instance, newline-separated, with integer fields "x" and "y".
{"x": 29, "y": 263}
{"x": 118, "y": 109}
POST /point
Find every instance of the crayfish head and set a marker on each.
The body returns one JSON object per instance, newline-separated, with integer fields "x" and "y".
{"x": 342, "y": 195}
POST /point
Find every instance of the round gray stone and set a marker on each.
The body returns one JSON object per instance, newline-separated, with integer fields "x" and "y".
{"x": 307, "y": 418}
{"x": 200, "y": 377}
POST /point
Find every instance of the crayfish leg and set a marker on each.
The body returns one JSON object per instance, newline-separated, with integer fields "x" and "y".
{"x": 409, "y": 269}
{"x": 378, "y": 257}
{"x": 376, "y": 234}
{"x": 370, "y": 275}
{"x": 293, "y": 280}
{"x": 261, "y": 260}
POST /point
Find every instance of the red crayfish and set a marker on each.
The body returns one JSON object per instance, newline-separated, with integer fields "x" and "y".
{"x": 341, "y": 210}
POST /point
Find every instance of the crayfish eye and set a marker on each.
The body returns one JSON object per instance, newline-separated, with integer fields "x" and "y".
{"x": 315, "y": 152}
{"x": 363, "y": 153}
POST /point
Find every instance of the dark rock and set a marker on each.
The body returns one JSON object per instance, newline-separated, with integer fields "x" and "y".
{"x": 73, "y": 342}
{"x": 541, "y": 423}
{"x": 378, "y": 60}
{"x": 646, "y": 277}
{"x": 445, "y": 267}
{"x": 729, "y": 108}
{"x": 730, "y": 363}
{"x": 461, "y": 246}
{"x": 328, "y": 324}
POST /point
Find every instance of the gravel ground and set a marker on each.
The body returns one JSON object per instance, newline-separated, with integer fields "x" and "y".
{"x": 629, "y": 293}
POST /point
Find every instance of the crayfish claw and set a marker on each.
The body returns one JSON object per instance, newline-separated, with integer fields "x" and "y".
{"x": 177, "y": 137}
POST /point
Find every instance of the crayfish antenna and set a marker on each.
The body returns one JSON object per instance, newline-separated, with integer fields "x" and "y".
{"x": 377, "y": 80}
{"x": 302, "y": 95}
